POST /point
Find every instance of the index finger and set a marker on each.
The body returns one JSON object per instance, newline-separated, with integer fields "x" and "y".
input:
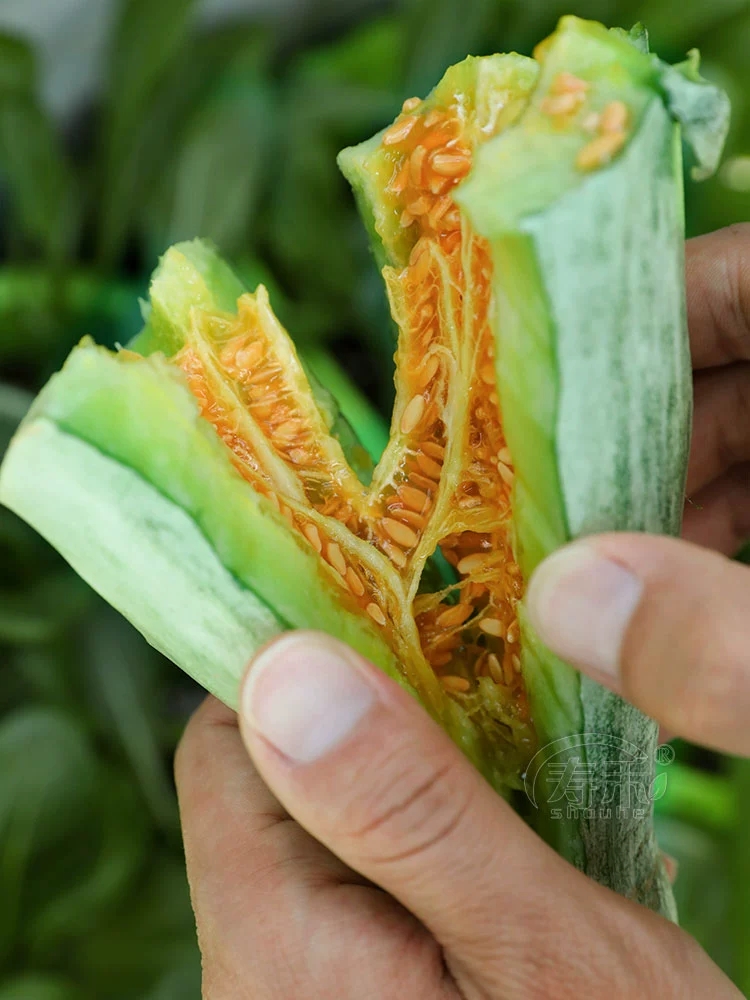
{"x": 718, "y": 296}
{"x": 249, "y": 865}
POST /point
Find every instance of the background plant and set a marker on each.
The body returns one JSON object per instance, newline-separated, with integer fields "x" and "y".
{"x": 232, "y": 134}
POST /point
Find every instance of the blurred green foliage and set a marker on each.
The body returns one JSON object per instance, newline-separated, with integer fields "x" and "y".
{"x": 232, "y": 134}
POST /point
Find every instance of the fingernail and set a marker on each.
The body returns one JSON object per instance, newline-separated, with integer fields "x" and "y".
{"x": 581, "y": 604}
{"x": 305, "y": 695}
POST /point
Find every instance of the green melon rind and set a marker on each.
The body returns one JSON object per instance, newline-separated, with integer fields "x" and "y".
{"x": 140, "y": 551}
{"x": 609, "y": 386}
{"x": 131, "y": 429}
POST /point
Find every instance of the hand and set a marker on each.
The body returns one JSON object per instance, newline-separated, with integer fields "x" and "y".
{"x": 360, "y": 856}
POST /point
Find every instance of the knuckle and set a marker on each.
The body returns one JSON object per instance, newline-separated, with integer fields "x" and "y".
{"x": 413, "y": 810}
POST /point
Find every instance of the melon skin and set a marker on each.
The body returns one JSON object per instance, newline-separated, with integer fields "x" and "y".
{"x": 593, "y": 373}
{"x": 116, "y": 468}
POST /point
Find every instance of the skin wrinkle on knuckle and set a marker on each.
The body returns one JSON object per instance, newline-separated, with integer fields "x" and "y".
{"x": 413, "y": 811}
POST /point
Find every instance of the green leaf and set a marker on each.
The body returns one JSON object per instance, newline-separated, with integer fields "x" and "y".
{"x": 33, "y": 165}
{"x": 696, "y": 18}
{"x": 18, "y": 72}
{"x": 47, "y": 782}
{"x": 135, "y": 131}
{"x": 702, "y": 886}
{"x": 158, "y": 926}
{"x": 14, "y": 403}
{"x": 215, "y": 182}
{"x": 119, "y": 667}
{"x": 39, "y": 613}
{"x": 705, "y": 800}
{"x": 371, "y": 56}
{"x": 739, "y": 862}
{"x": 37, "y": 986}
{"x": 438, "y": 37}
{"x": 122, "y": 841}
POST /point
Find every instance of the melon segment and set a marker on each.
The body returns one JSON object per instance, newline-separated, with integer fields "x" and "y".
{"x": 516, "y": 213}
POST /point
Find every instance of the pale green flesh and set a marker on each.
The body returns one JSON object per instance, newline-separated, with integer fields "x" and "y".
{"x": 143, "y": 418}
{"x": 114, "y": 528}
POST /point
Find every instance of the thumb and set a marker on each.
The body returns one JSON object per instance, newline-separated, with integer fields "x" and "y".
{"x": 358, "y": 763}
{"x": 663, "y": 622}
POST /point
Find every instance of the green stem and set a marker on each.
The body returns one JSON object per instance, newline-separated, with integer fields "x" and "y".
{"x": 707, "y": 801}
{"x": 739, "y": 867}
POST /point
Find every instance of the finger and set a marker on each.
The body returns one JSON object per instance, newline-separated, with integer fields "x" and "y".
{"x": 664, "y": 622}
{"x": 357, "y": 761}
{"x": 252, "y": 870}
{"x": 721, "y": 424}
{"x": 718, "y": 291}
{"x": 718, "y": 517}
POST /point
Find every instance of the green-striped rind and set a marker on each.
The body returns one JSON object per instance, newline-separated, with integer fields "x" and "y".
{"x": 595, "y": 385}
{"x": 141, "y": 477}
{"x": 624, "y": 414}
{"x": 140, "y": 551}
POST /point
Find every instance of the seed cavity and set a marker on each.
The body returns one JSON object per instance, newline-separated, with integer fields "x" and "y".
{"x": 429, "y": 466}
{"x": 563, "y": 104}
{"x": 355, "y": 583}
{"x": 492, "y": 626}
{"x": 600, "y": 150}
{"x": 399, "y": 131}
{"x": 313, "y": 536}
{"x": 451, "y": 164}
{"x": 568, "y": 83}
{"x": 505, "y": 472}
{"x": 413, "y": 498}
{"x": 401, "y": 534}
{"x": 456, "y": 685}
{"x": 614, "y": 118}
{"x": 336, "y": 558}
{"x": 495, "y": 669}
{"x": 413, "y": 414}
{"x": 376, "y": 613}
{"x": 469, "y": 564}
{"x": 455, "y": 615}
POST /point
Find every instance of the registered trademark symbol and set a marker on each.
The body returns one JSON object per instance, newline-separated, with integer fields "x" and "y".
{"x": 664, "y": 754}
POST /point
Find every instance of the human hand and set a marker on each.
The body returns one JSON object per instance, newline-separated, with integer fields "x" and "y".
{"x": 360, "y": 855}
